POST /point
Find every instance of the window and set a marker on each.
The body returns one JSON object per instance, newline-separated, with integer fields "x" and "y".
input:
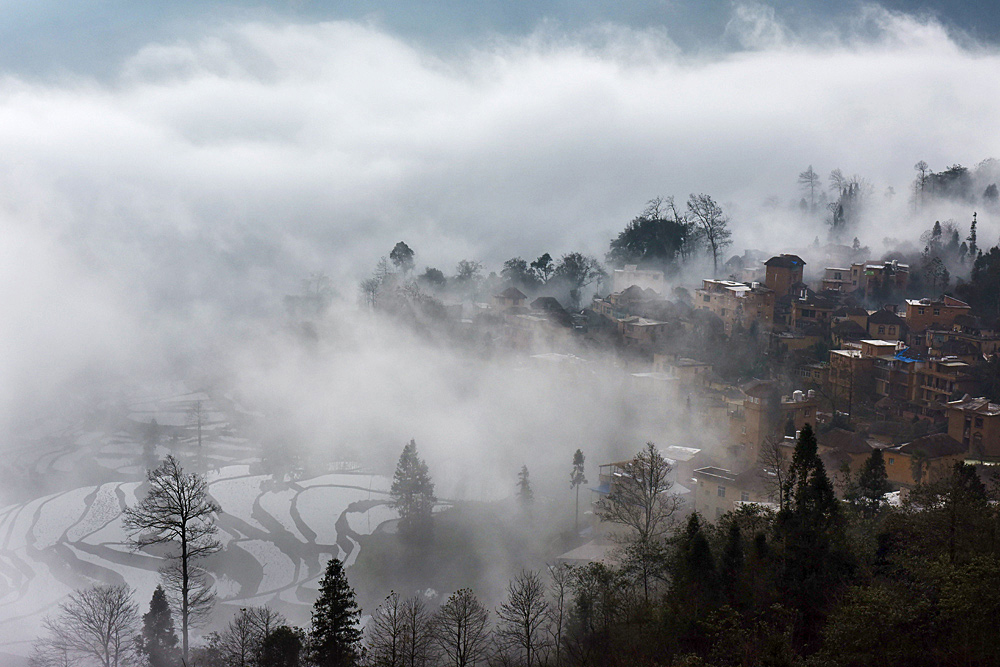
{"x": 979, "y": 422}
{"x": 920, "y": 311}
{"x": 881, "y": 330}
{"x": 937, "y": 311}
{"x": 706, "y": 298}
{"x": 891, "y": 460}
{"x": 745, "y": 496}
{"x": 722, "y": 492}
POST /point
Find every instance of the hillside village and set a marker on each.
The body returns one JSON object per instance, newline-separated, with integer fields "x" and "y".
{"x": 846, "y": 346}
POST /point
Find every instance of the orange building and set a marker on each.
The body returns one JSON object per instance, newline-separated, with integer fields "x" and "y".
{"x": 975, "y": 422}
{"x": 736, "y": 303}
{"x": 782, "y": 272}
{"x": 923, "y": 314}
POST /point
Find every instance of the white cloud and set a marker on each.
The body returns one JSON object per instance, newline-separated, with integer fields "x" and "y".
{"x": 212, "y": 174}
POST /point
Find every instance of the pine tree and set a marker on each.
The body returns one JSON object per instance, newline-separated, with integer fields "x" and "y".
{"x": 335, "y": 634}
{"x": 578, "y": 478}
{"x": 158, "y": 641}
{"x": 973, "y": 248}
{"x": 413, "y": 495}
{"x": 873, "y": 484}
{"x": 814, "y": 557}
{"x": 731, "y": 565}
{"x": 525, "y": 496}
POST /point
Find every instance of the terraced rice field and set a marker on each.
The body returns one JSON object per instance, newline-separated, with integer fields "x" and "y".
{"x": 277, "y": 534}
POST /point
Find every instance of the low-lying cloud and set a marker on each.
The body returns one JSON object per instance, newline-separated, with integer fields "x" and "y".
{"x": 171, "y": 208}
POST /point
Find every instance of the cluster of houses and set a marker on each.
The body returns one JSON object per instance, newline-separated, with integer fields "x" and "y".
{"x": 912, "y": 365}
{"x": 901, "y": 377}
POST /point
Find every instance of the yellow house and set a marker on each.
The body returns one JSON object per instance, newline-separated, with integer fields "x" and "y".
{"x": 926, "y": 459}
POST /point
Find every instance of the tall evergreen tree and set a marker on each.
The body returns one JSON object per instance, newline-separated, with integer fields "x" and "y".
{"x": 158, "y": 641}
{"x": 576, "y": 479}
{"x": 525, "y": 496}
{"x": 335, "y": 635}
{"x": 973, "y": 248}
{"x": 413, "y": 495}
{"x": 811, "y": 534}
{"x": 693, "y": 587}
{"x": 731, "y": 565}
{"x": 873, "y": 484}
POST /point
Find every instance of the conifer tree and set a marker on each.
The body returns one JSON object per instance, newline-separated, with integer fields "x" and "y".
{"x": 576, "y": 479}
{"x": 158, "y": 641}
{"x": 973, "y": 248}
{"x": 814, "y": 556}
{"x": 335, "y": 634}
{"x": 413, "y": 495}
{"x": 731, "y": 565}
{"x": 525, "y": 496}
{"x": 873, "y": 484}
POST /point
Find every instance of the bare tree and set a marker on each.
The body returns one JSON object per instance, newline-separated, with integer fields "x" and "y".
{"x": 95, "y": 626}
{"x": 641, "y": 499}
{"x": 178, "y": 511}
{"x": 419, "y": 648}
{"x": 712, "y": 223}
{"x": 810, "y": 180}
{"x": 370, "y": 289}
{"x": 692, "y": 235}
{"x": 773, "y": 469}
{"x": 838, "y": 181}
{"x": 559, "y": 590}
{"x": 460, "y": 630}
{"x": 922, "y": 170}
{"x": 386, "y": 633}
{"x": 523, "y": 617}
{"x": 242, "y": 642}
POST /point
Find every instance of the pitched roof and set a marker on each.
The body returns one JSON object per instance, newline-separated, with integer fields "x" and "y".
{"x": 883, "y": 316}
{"x": 844, "y": 441}
{"x": 981, "y": 405}
{"x": 850, "y": 311}
{"x": 512, "y": 293}
{"x": 849, "y": 328}
{"x": 957, "y": 348}
{"x": 759, "y": 388}
{"x": 936, "y": 445}
{"x": 785, "y": 261}
{"x": 633, "y": 292}
{"x": 549, "y": 303}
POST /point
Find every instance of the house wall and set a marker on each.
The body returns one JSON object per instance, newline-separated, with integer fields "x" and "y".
{"x": 980, "y": 432}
